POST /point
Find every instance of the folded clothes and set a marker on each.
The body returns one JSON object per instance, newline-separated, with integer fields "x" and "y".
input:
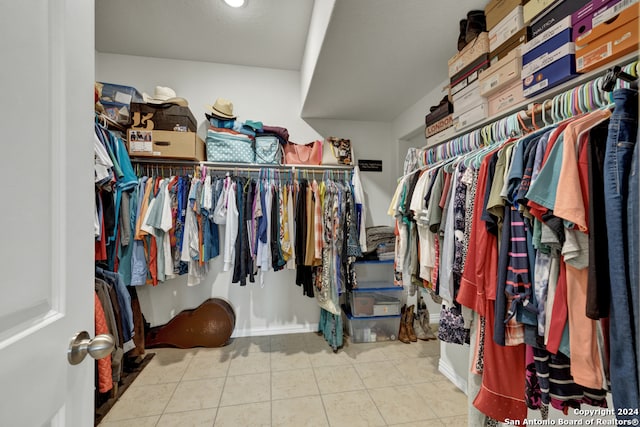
{"x": 380, "y": 235}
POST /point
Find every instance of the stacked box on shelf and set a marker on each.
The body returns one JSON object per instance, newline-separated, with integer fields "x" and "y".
{"x": 165, "y": 144}
{"x": 162, "y": 117}
{"x": 549, "y": 59}
{"x": 554, "y": 13}
{"x": 502, "y": 33}
{"x": 502, "y": 84}
{"x": 613, "y": 35}
{"x": 534, "y": 8}
{"x": 516, "y": 41}
{"x": 439, "y": 119}
{"x": 582, "y": 20}
{"x": 464, "y": 69}
{"x": 466, "y": 64}
{"x": 469, "y": 106}
{"x": 497, "y": 10}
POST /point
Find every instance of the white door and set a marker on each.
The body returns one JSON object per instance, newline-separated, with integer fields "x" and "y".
{"x": 46, "y": 202}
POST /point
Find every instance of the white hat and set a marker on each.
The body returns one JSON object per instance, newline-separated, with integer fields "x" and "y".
{"x": 164, "y": 95}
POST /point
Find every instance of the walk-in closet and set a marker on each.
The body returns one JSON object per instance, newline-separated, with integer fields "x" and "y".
{"x": 319, "y": 213}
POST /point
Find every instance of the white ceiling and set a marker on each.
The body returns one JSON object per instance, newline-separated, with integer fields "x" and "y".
{"x": 379, "y": 57}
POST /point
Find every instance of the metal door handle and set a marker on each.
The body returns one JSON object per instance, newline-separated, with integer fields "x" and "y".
{"x": 81, "y": 345}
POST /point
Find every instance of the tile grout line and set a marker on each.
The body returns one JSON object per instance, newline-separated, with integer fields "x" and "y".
{"x": 324, "y": 407}
{"x": 366, "y": 389}
{"x": 174, "y": 391}
{"x": 224, "y": 384}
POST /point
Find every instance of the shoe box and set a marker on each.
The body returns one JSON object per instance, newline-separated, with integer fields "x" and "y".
{"x": 548, "y": 59}
{"x": 497, "y": 10}
{"x": 556, "y": 12}
{"x": 506, "y": 28}
{"x": 613, "y": 35}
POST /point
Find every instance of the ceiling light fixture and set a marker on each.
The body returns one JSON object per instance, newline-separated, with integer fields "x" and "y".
{"x": 235, "y": 3}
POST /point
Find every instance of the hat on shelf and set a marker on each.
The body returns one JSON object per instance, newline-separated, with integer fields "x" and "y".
{"x": 164, "y": 95}
{"x": 222, "y": 108}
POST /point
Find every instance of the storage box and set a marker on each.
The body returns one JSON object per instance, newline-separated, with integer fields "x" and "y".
{"x": 509, "y": 26}
{"x": 608, "y": 41}
{"x": 165, "y": 144}
{"x": 439, "y": 126}
{"x": 550, "y": 76}
{"x": 501, "y": 74}
{"x": 533, "y": 8}
{"x": 439, "y": 113}
{"x": 473, "y": 116}
{"x": 496, "y": 10}
{"x": 364, "y": 301}
{"x": 471, "y": 52}
{"x": 559, "y": 27}
{"x": 468, "y": 98}
{"x": 506, "y": 98}
{"x": 162, "y": 117}
{"x": 439, "y": 137}
{"x": 116, "y": 100}
{"x": 610, "y": 10}
{"x": 371, "y": 329}
{"x": 516, "y": 40}
{"x": 560, "y": 11}
{"x": 468, "y": 75}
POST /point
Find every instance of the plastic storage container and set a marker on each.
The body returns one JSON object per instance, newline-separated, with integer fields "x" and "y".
{"x": 380, "y": 301}
{"x": 371, "y": 329}
{"x": 117, "y": 99}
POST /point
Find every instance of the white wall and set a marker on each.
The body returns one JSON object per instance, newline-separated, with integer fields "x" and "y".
{"x": 273, "y": 97}
{"x": 371, "y": 141}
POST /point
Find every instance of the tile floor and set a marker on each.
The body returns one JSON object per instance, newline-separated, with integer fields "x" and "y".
{"x": 292, "y": 380}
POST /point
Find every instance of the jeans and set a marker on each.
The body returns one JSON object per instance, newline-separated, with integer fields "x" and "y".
{"x": 621, "y": 139}
{"x": 633, "y": 230}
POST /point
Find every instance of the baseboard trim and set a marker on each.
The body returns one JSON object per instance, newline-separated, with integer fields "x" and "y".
{"x": 277, "y": 330}
{"x": 447, "y": 370}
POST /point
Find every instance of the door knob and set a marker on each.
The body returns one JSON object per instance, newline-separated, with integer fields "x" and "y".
{"x": 81, "y": 345}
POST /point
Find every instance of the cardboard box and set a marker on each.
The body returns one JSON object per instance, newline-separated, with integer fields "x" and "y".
{"x": 548, "y": 58}
{"x": 473, "y": 116}
{"x": 626, "y": 15}
{"x": 439, "y": 126}
{"x": 506, "y": 98}
{"x": 501, "y": 74}
{"x": 533, "y": 8}
{"x": 162, "y": 117}
{"x": 509, "y": 26}
{"x": 555, "y": 14}
{"x": 471, "y": 52}
{"x": 445, "y": 135}
{"x": 556, "y": 29}
{"x": 439, "y": 113}
{"x": 516, "y": 40}
{"x": 468, "y": 75}
{"x": 550, "y": 76}
{"x": 610, "y": 10}
{"x": 165, "y": 144}
{"x": 608, "y": 42}
{"x": 466, "y": 99}
{"x": 497, "y": 10}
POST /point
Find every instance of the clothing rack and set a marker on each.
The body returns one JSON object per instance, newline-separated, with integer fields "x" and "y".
{"x": 169, "y": 165}
{"x": 562, "y": 101}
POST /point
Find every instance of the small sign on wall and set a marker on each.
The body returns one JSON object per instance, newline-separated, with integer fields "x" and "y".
{"x": 370, "y": 165}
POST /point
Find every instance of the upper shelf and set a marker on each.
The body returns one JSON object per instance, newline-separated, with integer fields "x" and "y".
{"x": 583, "y": 78}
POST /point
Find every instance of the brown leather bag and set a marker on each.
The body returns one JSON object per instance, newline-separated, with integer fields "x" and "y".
{"x": 299, "y": 154}
{"x": 209, "y": 325}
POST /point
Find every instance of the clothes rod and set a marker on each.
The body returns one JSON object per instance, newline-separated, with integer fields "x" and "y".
{"x": 542, "y": 98}
{"x": 239, "y": 166}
